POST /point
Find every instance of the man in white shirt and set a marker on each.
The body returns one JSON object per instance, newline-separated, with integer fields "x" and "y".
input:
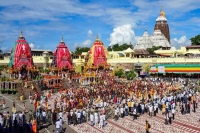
{"x": 79, "y": 117}
{"x": 21, "y": 116}
{"x": 92, "y": 119}
{"x": 44, "y": 114}
{"x": 173, "y": 113}
{"x": 104, "y": 119}
{"x": 61, "y": 115}
{"x": 14, "y": 116}
{"x": 150, "y": 110}
{"x": 58, "y": 126}
{"x": 116, "y": 114}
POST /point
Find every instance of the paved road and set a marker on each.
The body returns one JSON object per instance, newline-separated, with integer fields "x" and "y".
{"x": 19, "y": 105}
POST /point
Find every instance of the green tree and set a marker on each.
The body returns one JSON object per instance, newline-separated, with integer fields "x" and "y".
{"x": 131, "y": 75}
{"x": 119, "y": 73}
{"x": 147, "y": 68}
{"x": 195, "y": 40}
{"x": 117, "y": 47}
{"x": 154, "y": 48}
{"x": 79, "y": 50}
{"x": 1, "y": 54}
{"x": 109, "y": 48}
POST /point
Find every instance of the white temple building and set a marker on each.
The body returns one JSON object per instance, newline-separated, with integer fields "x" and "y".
{"x": 160, "y": 36}
{"x": 157, "y": 39}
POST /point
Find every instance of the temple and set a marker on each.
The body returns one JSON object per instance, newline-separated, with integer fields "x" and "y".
{"x": 97, "y": 55}
{"x": 21, "y": 54}
{"x": 62, "y": 58}
{"x": 157, "y": 39}
{"x": 162, "y": 25}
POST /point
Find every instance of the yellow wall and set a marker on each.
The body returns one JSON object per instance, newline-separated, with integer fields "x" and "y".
{"x": 126, "y": 60}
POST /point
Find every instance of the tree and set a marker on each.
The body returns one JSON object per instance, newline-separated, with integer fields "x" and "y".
{"x": 109, "y": 48}
{"x": 117, "y": 47}
{"x": 1, "y": 54}
{"x": 147, "y": 68}
{"x": 79, "y": 50}
{"x": 154, "y": 48}
{"x": 195, "y": 40}
{"x": 119, "y": 73}
{"x": 131, "y": 75}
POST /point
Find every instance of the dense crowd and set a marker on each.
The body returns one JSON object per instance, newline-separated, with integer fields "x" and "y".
{"x": 96, "y": 103}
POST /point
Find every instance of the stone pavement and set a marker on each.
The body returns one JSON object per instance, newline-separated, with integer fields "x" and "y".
{"x": 19, "y": 105}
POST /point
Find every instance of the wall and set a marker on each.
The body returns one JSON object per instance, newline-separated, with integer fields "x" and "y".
{"x": 125, "y": 60}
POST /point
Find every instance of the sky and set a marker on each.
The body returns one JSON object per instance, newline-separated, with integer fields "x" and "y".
{"x": 43, "y": 22}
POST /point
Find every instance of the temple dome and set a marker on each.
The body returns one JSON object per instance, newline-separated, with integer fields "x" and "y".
{"x": 159, "y": 39}
{"x": 162, "y": 16}
{"x": 97, "y": 55}
{"x": 21, "y": 54}
{"x": 144, "y": 42}
{"x": 62, "y": 57}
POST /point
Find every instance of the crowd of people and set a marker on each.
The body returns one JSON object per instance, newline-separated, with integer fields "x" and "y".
{"x": 111, "y": 98}
{"x": 148, "y": 95}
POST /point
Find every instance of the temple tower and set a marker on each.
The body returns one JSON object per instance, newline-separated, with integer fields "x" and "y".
{"x": 161, "y": 24}
{"x": 97, "y": 55}
{"x": 21, "y": 54}
{"x": 62, "y": 57}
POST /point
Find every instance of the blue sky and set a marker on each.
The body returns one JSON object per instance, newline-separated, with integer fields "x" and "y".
{"x": 44, "y": 21}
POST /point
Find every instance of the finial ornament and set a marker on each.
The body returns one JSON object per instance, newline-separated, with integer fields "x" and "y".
{"x": 162, "y": 13}
{"x": 97, "y": 37}
{"x": 62, "y": 39}
{"x": 21, "y": 33}
{"x": 161, "y": 8}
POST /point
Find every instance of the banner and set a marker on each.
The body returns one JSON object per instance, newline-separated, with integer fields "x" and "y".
{"x": 153, "y": 68}
{"x": 161, "y": 69}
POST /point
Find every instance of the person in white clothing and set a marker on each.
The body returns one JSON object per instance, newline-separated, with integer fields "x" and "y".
{"x": 101, "y": 121}
{"x": 116, "y": 114}
{"x": 58, "y": 126}
{"x": 61, "y": 115}
{"x": 104, "y": 119}
{"x": 122, "y": 112}
{"x": 150, "y": 110}
{"x": 92, "y": 119}
{"x": 96, "y": 118}
{"x": 173, "y": 113}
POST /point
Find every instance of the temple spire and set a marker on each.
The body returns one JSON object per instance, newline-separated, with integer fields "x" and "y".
{"x": 97, "y": 38}
{"x": 21, "y": 34}
{"x": 61, "y": 39}
{"x": 161, "y": 8}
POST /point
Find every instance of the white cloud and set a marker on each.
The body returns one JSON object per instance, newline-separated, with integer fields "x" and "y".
{"x": 183, "y": 41}
{"x": 87, "y": 43}
{"x": 31, "y": 45}
{"x": 123, "y": 34}
{"x": 90, "y": 33}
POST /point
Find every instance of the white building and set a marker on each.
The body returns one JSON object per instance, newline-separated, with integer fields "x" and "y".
{"x": 157, "y": 39}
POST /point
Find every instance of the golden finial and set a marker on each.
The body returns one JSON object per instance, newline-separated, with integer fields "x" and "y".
{"x": 162, "y": 13}
{"x": 62, "y": 39}
{"x": 97, "y": 37}
{"x": 21, "y": 34}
